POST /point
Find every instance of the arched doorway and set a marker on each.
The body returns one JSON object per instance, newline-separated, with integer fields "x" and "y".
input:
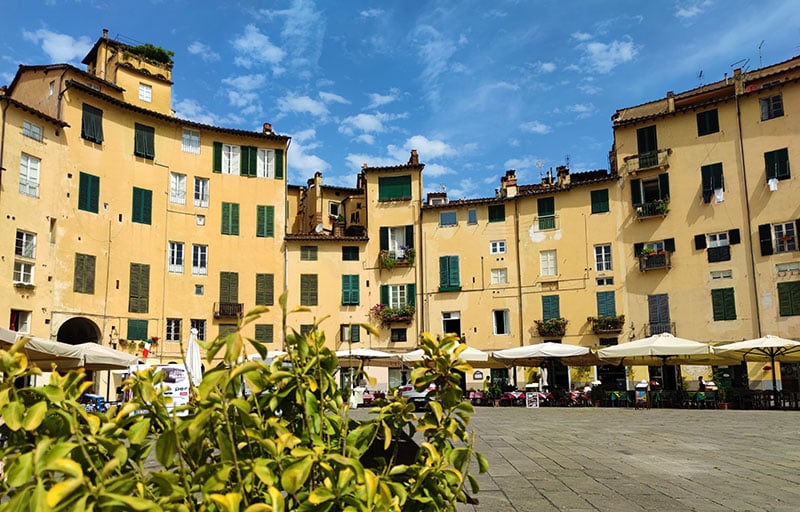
{"x": 79, "y": 330}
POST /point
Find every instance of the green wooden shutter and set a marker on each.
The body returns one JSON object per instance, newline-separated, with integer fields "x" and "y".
{"x": 663, "y": 186}
{"x": 137, "y": 329}
{"x": 600, "y": 201}
{"x": 83, "y": 192}
{"x": 765, "y": 238}
{"x": 606, "y": 305}
{"x": 216, "y": 165}
{"x": 669, "y": 244}
{"x": 646, "y": 139}
{"x": 636, "y": 191}
{"x": 261, "y": 221}
{"x": 235, "y": 218}
{"x": 455, "y": 278}
{"x": 411, "y": 294}
{"x": 789, "y": 298}
{"x": 384, "y": 238}
{"x": 637, "y": 249}
{"x": 718, "y": 305}
{"x": 308, "y": 289}
{"x": 444, "y": 272}
{"x": 547, "y": 206}
{"x": 550, "y": 307}
{"x": 355, "y": 333}
{"x": 706, "y": 178}
{"x": 385, "y": 294}
{"x": 92, "y": 124}
{"x": 734, "y": 237}
{"x": 270, "y": 221}
{"x": 265, "y": 289}
{"x": 226, "y": 218}
{"x": 248, "y": 163}
{"x": 410, "y": 236}
{"x": 139, "y": 288}
{"x": 229, "y": 287}
{"x": 278, "y": 164}
{"x": 350, "y": 291}
{"x": 700, "y": 242}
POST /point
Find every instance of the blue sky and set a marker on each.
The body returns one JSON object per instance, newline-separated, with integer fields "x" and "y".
{"x": 476, "y": 87}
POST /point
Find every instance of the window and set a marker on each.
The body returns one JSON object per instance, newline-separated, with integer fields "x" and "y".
{"x": 721, "y": 274}
{"x": 499, "y": 276}
{"x": 497, "y": 247}
{"x": 602, "y": 258}
{"x": 145, "y": 92}
{"x": 88, "y": 193}
{"x": 777, "y": 164}
{"x": 308, "y": 253}
{"x": 548, "y": 264}
{"x": 606, "y": 305}
{"x": 25, "y": 245}
{"x": 199, "y": 289}
{"x": 29, "y": 175}
{"x": 199, "y": 260}
{"x": 173, "y": 329}
{"x": 226, "y": 158}
{"x": 265, "y": 289}
{"x": 787, "y": 267}
{"x": 500, "y": 321}
{"x": 85, "y": 265}
{"x": 230, "y": 218}
{"x": 398, "y": 335}
{"x": 200, "y": 325}
{"x": 789, "y": 298}
{"x": 226, "y": 329}
{"x": 201, "y": 192}
{"x": 600, "y": 201}
{"x": 718, "y": 239}
{"x": 472, "y": 216}
{"x": 497, "y": 213}
{"x": 350, "y": 290}
{"x": 398, "y": 295}
{"x": 265, "y": 221}
{"x": 550, "y": 307}
{"x": 707, "y": 122}
{"x": 265, "y": 166}
{"x": 229, "y": 287}
{"x": 349, "y": 253}
{"x": 771, "y": 107}
{"x": 176, "y": 257}
{"x": 712, "y": 179}
{"x": 547, "y": 213}
{"x": 397, "y": 240}
{"x": 448, "y": 219}
{"x": 334, "y": 209}
{"x": 144, "y": 141}
{"x": 23, "y": 272}
{"x": 92, "y": 124}
{"x": 142, "y": 205}
{"x": 449, "y": 279}
{"x": 190, "y": 142}
{"x": 139, "y": 293}
{"x": 306, "y": 329}
{"x": 650, "y": 190}
{"x": 265, "y": 333}
{"x": 647, "y": 145}
{"x": 137, "y": 329}
{"x": 350, "y": 333}
{"x": 723, "y": 305}
{"x": 177, "y": 188}
{"x": 392, "y": 188}
{"x": 34, "y": 131}
{"x": 308, "y": 289}
{"x": 20, "y": 321}
{"x": 605, "y": 281}
{"x": 785, "y": 237}
{"x": 719, "y": 246}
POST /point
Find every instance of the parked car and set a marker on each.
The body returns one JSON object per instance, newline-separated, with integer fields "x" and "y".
{"x": 420, "y": 399}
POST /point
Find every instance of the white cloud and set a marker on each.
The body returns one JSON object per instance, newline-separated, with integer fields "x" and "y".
{"x": 357, "y": 159}
{"x": 256, "y": 48}
{"x": 377, "y": 100}
{"x": 525, "y": 162}
{"x": 242, "y": 99}
{"x": 583, "y": 110}
{"x": 546, "y": 67}
{"x": 204, "y": 51}
{"x": 435, "y": 170}
{"x": 301, "y": 104}
{"x": 581, "y": 36}
{"x": 59, "y": 47}
{"x": 371, "y": 13}
{"x": 366, "y": 139}
{"x": 535, "y": 127}
{"x": 367, "y": 123}
{"x": 194, "y": 111}
{"x": 691, "y": 9}
{"x": 245, "y": 82}
{"x": 427, "y": 148}
{"x": 603, "y": 58}
{"x": 590, "y": 89}
{"x": 302, "y": 161}
{"x": 329, "y": 97}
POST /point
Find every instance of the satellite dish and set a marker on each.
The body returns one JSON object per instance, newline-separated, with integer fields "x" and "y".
{"x": 318, "y": 228}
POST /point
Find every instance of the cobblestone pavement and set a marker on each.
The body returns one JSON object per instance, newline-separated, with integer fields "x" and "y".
{"x": 618, "y": 459}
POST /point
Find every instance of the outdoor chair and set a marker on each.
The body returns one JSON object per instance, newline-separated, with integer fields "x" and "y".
{"x": 710, "y": 401}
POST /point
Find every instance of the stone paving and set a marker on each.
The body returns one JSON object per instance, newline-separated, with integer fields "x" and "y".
{"x": 622, "y": 459}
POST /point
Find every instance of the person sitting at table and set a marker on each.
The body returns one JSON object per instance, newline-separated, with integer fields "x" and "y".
{"x": 701, "y": 386}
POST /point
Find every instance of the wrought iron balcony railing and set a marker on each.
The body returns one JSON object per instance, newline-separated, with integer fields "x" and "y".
{"x": 228, "y": 309}
{"x": 650, "y": 160}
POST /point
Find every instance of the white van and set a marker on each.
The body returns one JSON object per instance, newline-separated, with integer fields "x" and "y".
{"x": 175, "y": 384}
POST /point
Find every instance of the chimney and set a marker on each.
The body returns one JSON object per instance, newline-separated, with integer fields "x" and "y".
{"x": 508, "y": 184}
{"x": 738, "y": 82}
{"x": 267, "y": 128}
{"x": 105, "y": 33}
{"x": 670, "y": 101}
{"x": 563, "y": 175}
{"x": 414, "y": 160}
{"x": 364, "y": 166}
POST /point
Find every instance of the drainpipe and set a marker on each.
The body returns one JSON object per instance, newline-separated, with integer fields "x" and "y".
{"x": 3, "y": 143}
{"x": 748, "y": 218}
{"x": 519, "y": 275}
{"x": 285, "y": 247}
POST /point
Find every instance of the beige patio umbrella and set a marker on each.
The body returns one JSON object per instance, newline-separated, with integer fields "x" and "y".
{"x": 538, "y": 353}
{"x": 469, "y": 354}
{"x": 41, "y": 352}
{"x": 768, "y": 348}
{"x": 99, "y": 357}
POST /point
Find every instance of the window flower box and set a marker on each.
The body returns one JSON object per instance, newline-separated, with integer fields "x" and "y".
{"x": 387, "y": 315}
{"x": 551, "y": 327}
{"x": 607, "y": 324}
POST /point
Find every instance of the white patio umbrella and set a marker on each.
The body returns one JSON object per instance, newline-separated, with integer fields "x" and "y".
{"x": 658, "y": 349}
{"x": 99, "y": 357}
{"x": 469, "y": 354}
{"x": 533, "y": 355}
{"x": 768, "y": 348}
{"x": 193, "y": 361}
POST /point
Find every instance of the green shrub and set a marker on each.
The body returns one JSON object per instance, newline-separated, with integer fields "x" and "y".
{"x": 287, "y": 445}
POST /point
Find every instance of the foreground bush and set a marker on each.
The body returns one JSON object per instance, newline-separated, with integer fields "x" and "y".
{"x": 286, "y": 444}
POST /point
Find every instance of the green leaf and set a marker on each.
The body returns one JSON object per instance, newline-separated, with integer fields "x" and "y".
{"x": 137, "y": 433}
{"x": 229, "y": 502}
{"x": 483, "y": 464}
{"x": 321, "y": 495}
{"x": 113, "y": 500}
{"x": 166, "y": 448}
{"x": 296, "y": 474}
{"x": 20, "y": 470}
{"x": 61, "y": 491}
{"x": 34, "y": 416}
{"x": 13, "y": 414}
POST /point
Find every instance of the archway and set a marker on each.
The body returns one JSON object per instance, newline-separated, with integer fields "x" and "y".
{"x": 79, "y": 330}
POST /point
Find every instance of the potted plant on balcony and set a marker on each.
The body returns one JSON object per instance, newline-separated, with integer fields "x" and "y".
{"x": 387, "y": 315}
{"x": 662, "y": 206}
{"x": 551, "y": 327}
{"x": 388, "y": 259}
{"x": 607, "y": 324}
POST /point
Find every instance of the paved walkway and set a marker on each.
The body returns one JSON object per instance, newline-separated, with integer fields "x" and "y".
{"x": 621, "y": 459}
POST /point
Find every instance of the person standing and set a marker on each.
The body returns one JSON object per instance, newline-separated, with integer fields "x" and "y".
{"x": 701, "y": 386}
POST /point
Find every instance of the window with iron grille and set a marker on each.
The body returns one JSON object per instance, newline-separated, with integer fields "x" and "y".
{"x": 173, "y": 326}
{"x": 771, "y": 107}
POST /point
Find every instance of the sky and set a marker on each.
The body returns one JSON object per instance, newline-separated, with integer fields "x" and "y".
{"x": 477, "y": 88}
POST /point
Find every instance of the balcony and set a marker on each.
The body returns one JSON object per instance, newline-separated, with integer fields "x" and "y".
{"x": 659, "y": 328}
{"x": 648, "y": 161}
{"x": 657, "y": 208}
{"x": 553, "y": 327}
{"x": 654, "y": 260}
{"x": 607, "y": 324}
{"x": 388, "y": 315}
{"x": 228, "y": 309}
{"x": 402, "y": 258}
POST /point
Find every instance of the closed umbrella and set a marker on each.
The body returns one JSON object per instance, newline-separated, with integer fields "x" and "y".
{"x": 768, "y": 348}
{"x": 193, "y": 361}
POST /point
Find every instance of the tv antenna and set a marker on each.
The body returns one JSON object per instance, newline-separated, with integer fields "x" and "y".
{"x": 700, "y": 77}
{"x": 540, "y": 166}
{"x": 759, "y": 52}
{"x": 743, "y": 62}
{"x": 566, "y": 160}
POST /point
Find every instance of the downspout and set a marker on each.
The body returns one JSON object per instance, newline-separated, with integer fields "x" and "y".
{"x": 3, "y": 143}
{"x": 748, "y": 218}
{"x": 285, "y": 233}
{"x": 519, "y": 273}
